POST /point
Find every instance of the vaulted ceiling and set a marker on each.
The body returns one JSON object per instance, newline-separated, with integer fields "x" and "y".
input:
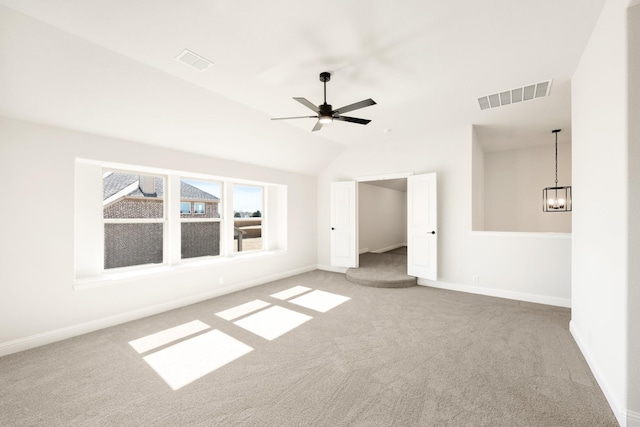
{"x": 109, "y": 67}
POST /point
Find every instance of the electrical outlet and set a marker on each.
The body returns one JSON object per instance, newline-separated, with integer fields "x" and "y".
{"x": 476, "y": 278}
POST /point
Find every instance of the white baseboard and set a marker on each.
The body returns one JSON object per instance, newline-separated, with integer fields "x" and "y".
{"x": 618, "y": 410}
{"x": 389, "y": 248}
{"x": 363, "y": 251}
{"x": 49, "y": 337}
{"x": 331, "y": 268}
{"x": 499, "y": 293}
{"x": 633, "y": 419}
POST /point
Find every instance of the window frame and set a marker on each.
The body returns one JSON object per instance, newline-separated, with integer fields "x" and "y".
{"x": 240, "y": 219}
{"x": 89, "y": 238}
{"x": 162, "y": 220}
{"x": 184, "y": 203}
{"x": 204, "y": 208}
{"x": 219, "y": 219}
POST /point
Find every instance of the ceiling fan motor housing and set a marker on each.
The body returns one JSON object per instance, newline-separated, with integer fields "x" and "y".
{"x": 326, "y": 109}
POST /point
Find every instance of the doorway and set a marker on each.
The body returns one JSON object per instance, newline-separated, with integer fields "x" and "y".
{"x": 421, "y": 224}
{"x": 382, "y": 215}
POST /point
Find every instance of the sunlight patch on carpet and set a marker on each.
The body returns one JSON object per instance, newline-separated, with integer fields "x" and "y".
{"x": 144, "y": 344}
{"x": 291, "y": 292}
{"x": 320, "y": 300}
{"x": 273, "y": 322}
{"x": 196, "y": 357}
{"x": 241, "y": 310}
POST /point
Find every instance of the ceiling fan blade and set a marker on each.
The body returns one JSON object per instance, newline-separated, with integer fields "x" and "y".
{"x": 318, "y": 126}
{"x": 307, "y": 104}
{"x": 352, "y": 120}
{"x": 298, "y": 117}
{"x": 357, "y": 105}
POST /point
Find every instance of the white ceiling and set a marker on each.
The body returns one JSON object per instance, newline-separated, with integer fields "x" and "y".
{"x": 108, "y": 67}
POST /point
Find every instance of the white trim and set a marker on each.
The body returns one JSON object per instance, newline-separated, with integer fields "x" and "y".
{"x": 383, "y": 177}
{"x": 126, "y": 190}
{"x": 633, "y": 419}
{"x": 332, "y": 268}
{"x": 389, "y": 248}
{"x": 48, "y": 337}
{"x": 127, "y": 168}
{"x": 195, "y": 210}
{"x": 618, "y": 409}
{"x": 118, "y": 276}
{"x": 541, "y": 234}
{"x": 499, "y": 293}
{"x": 363, "y": 251}
{"x": 185, "y": 213}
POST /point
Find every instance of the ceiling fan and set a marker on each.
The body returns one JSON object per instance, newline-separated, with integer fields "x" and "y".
{"x": 324, "y": 112}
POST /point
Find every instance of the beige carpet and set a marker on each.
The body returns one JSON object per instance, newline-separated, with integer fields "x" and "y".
{"x": 385, "y": 357}
{"x": 382, "y": 270}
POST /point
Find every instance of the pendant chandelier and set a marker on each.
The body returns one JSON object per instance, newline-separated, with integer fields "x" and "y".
{"x": 556, "y": 199}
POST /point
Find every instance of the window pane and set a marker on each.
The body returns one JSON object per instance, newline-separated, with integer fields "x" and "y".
{"x": 132, "y": 244}
{"x": 205, "y": 196}
{"x": 185, "y": 207}
{"x": 200, "y": 239}
{"x": 247, "y": 218}
{"x": 127, "y": 195}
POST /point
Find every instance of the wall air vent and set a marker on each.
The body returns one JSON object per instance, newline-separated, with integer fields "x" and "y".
{"x": 194, "y": 60}
{"x": 514, "y": 96}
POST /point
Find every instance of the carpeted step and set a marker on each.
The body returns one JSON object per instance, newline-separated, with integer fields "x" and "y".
{"x": 385, "y": 270}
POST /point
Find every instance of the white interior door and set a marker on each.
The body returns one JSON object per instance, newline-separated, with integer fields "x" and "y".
{"x": 422, "y": 226}
{"x": 344, "y": 224}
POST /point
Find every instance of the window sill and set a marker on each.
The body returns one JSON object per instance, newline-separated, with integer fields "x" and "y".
{"x": 127, "y": 274}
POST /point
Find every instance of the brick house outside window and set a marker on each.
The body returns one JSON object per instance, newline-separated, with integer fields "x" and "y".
{"x": 132, "y": 196}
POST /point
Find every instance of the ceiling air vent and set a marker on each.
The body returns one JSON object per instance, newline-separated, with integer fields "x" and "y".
{"x": 194, "y": 60}
{"x": 514, "y": 96}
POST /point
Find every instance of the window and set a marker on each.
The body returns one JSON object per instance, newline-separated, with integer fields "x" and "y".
{"x": 133, "y": 216}
{"x": 247, "y": 217}
{"x": 185, "y": 207}
{"x": 201, "y": 230}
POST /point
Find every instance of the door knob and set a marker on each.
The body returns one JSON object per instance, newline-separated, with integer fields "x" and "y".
{"x": 433, "y": 232}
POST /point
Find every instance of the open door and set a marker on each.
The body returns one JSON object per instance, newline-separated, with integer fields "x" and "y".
{"x": 422, "y": 226}
{"x": 344, "y": 224}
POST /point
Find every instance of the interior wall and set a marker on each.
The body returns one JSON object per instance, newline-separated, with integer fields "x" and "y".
{"x": 382, "y": 213}
{"x": 530, "y": 266}
{"x": 513, "y": 183}
{"x": 39, "y": 304}
{"x": 477, "y": 183}
{"x": 633, "y": 304}
{"x": 600, "y": 169}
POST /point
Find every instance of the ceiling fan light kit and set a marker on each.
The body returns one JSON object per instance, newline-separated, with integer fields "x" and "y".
{"x": 325, "y": 112}
{"x": 556, "y": 199}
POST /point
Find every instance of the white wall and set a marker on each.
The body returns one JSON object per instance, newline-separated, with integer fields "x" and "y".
{"x": 38, "y": 303}
{"x": 525, "y": 266}
{"x": 633, "y": 303}
{"x": 477, "y": 184}
{"x": 382, "y": 218}
{"x": 513, "y": 182}
{"x": 600, "y": 167}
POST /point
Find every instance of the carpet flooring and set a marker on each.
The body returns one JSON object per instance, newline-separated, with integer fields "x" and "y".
{"x": 338, "y": 354}
{"x": 382, "y": 270}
